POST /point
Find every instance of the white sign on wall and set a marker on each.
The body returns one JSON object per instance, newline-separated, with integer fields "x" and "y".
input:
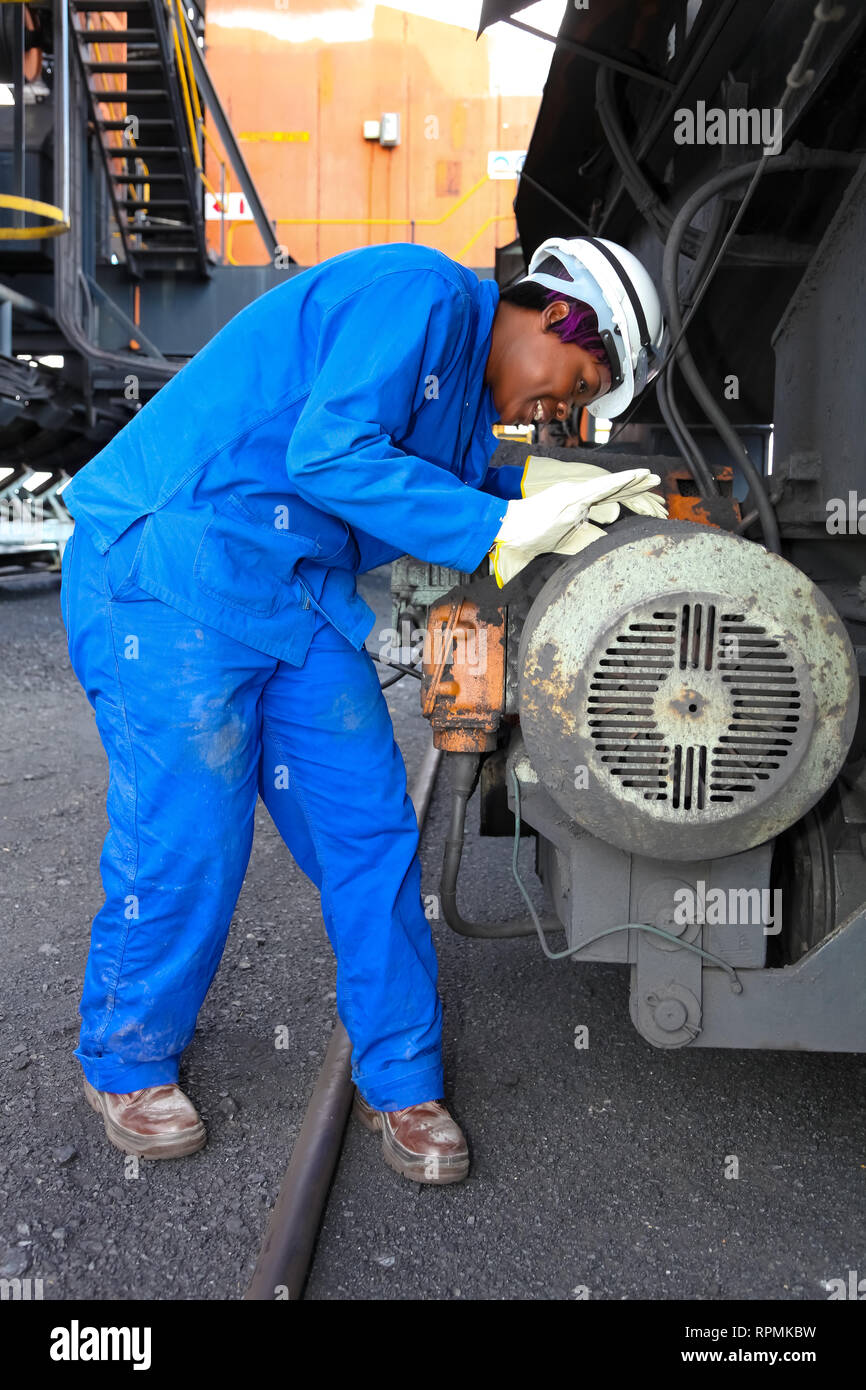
{"x": 233, "y": 208}
{"x": 504, "y": 164}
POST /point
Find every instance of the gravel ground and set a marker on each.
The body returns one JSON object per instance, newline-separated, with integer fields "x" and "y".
{"x": 596, "y": 1173}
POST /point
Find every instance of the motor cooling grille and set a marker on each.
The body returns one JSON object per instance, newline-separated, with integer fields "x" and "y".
{"x": 683, "y": 693}
{"x": 692, "y": 705}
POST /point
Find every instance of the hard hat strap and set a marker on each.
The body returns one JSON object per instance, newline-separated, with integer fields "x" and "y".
{"x": 633, "y": 295}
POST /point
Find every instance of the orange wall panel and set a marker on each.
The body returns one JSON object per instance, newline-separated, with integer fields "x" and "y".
{"x": 283, "y": 71}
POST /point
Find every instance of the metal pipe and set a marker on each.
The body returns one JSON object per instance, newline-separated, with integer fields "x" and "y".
{"x": 61, "y": 106}
{"x": 284, "y": 1259}
{"x": 5, "y": 328}
{"x": 18, "y": 132}
{"x": 23, "y": 302}
{"x": 465, "y": 768}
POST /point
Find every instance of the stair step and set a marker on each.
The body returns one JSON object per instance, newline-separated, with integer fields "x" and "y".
{"x": 141, "y": 38}
{"x": 154, "y": 229}
{"x": 163, "y": 251}
{"x": 137, "y": 65}
{"x": 142, "y": 120}
{"x": 85, "y": 6}
{"x": 146, "y": 178}
{"x": 152, "y": 202}
{"x": 122, "y": 97}
{"x": 130, "y": 151}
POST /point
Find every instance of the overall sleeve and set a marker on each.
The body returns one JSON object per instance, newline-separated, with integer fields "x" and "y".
{"x": 374, "y": 552}
{"x": 504, "y": 481}
{"x": 376, "y": 347}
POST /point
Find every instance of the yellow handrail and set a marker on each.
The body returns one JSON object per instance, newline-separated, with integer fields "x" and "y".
{"x": 11, "y": 200}
{"x": 383, "y": 221}
{"x": 193, "y": 85}
{"x": 192, "y": 105}
{"x": 181, "y": 71}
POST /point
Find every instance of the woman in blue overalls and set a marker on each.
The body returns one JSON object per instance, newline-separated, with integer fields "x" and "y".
{"x": 339, "y": 421}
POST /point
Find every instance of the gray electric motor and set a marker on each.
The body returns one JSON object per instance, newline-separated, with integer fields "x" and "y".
{"x": 684, "y": 693}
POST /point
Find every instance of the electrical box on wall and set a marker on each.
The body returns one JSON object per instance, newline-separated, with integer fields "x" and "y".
{"x": 390, "y": 128}
{"x": 371, "y": 130}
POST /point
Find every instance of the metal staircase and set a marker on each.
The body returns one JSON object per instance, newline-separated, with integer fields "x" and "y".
{"x": 142, "y": 102}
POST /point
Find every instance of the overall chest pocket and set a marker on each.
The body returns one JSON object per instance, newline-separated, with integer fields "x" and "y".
{"x": 247, "y": 562}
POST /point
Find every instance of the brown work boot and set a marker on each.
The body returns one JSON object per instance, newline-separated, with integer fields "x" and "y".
{"x": 156, "y": 1122}
{"x": 422, "y": 1142}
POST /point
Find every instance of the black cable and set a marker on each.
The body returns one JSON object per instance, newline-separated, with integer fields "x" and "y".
{"x": 754, "y": 171}
{"x": 391, "y": 680}
{"x": 825, "y": 12}
{"x": 650, "y": 206}
{"x": 665, "y": 393}
{"x": 397, "y": 665}
{"x": 654, "y": 210}
{"x": 801, "y": 159}
{"x": 680, "y": 434}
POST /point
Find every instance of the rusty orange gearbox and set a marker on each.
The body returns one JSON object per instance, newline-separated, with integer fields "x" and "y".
{"x": 463, "y": 690}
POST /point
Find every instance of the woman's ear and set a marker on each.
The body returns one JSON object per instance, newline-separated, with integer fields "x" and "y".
{"x": 552, "y": 313}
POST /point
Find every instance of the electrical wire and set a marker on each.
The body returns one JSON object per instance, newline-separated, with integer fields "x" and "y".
{"x": 809, "y": 159}
{"x": 679, "y": 431}
{"x": 665, "y": 392}
{"x": 397, "y": 665}
{"x": 391, "y": 680}
{"x": 797, "y": 76}
{"x": 736, "y": 984}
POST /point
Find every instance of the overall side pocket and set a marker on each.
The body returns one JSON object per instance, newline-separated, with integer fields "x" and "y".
{"x": 246, "y": 562}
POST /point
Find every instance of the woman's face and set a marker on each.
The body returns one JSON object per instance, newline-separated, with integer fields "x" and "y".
{"x": 533, "y": 376}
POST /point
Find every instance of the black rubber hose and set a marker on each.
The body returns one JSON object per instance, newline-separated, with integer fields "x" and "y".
{"x": 727, "y": 178}
{"x": 397, "y": 665}
{"x": 650, "y": 206}
{"x": 665, "y": 394}
{"x": 654, "y": 210}
{"x": 464, "y": 774}
{"x": 680, "y": 433}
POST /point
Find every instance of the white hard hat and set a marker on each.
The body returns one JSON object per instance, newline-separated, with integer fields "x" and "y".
{"x": 630, "y": 321}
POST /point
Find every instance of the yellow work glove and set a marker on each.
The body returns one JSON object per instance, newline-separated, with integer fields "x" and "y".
{"x": 541, "y": 473}
{"x": 555, "y": 519}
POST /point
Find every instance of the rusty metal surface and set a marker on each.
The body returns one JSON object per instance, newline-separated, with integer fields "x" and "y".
{"x": 686, "y": 504}
{"x": 726, "y": 738}
{"x": 463, "y": 687}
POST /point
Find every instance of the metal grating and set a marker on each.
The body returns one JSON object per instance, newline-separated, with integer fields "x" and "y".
{"x": 691, "y": 706}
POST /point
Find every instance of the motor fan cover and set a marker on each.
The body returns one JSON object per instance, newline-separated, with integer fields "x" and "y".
{"x": 683, "y": 692}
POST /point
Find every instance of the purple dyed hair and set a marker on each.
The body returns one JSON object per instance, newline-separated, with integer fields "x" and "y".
{"x": 579, "y": 326}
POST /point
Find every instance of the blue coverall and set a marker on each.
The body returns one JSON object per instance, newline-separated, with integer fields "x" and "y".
{"x": 209, "y": 596}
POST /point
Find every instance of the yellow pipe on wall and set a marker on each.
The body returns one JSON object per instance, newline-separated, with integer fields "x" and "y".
{"x": 381, "y": 221}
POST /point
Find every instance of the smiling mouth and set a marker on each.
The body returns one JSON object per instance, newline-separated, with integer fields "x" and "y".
{"x": 537, "y": 414}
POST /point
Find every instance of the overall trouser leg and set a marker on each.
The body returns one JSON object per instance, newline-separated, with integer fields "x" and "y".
{"x": 177, "y": 709}
{"x": 194, "y": 723}
{"x": 334, "y": 782}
